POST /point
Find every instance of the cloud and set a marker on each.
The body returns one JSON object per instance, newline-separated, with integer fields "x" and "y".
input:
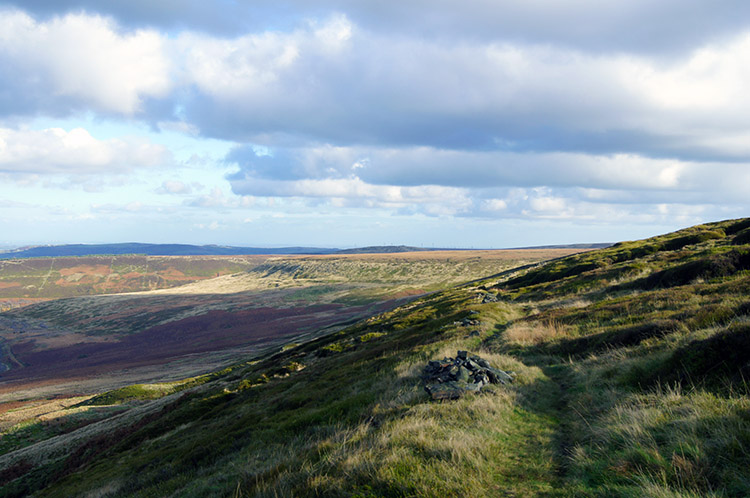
{"x": 218, "y": 199}
{"x": 353, "y": 192}
{"x": 486, "y": 184}
{"x": 334, "y": 82}
{"x": 5, "y": 204}
{"x": 174, "y": 187}
{"x": 624, "y": 25}
{"x": 413, "y": 166}
{"x": 79, "y": 61}
{"x": 214, "y": 225}
{"x": 74, "y": 152}
{"x": 486, "y": 111}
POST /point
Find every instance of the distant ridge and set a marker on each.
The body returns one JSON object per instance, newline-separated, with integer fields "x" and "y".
{"x": 151, "y": 250}
{"x": 596, "y": 245}
{"x": 381, "y": 249}
{"x": 397, "y": 249}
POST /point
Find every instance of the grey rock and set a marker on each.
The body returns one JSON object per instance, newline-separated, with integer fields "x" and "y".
{"x": 498, "y": 376}
{"x": 446, "y": 390}
{"x": 451, "y": 378}
{"x": 489, "y": 298}
{"x": 463, "y": 374}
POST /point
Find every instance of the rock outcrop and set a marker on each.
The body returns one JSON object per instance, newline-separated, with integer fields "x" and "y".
{"x": 451, "y": 378}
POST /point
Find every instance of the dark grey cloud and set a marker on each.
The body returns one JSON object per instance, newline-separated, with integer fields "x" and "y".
{"x": 227, "y": 17}
{"x": 412, "y": 167}
{"x": 639, "y": 26}
{"x": 281, "y": 166}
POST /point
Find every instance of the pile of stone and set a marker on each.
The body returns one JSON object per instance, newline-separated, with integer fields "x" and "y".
{"x": 451, "y": 378}
{"x": 467, "y": 322}
{"x": 489, "y": 298}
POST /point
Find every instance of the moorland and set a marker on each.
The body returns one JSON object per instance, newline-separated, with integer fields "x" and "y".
{"x": 203, "y": 313}
{"x": 630, "y": 379}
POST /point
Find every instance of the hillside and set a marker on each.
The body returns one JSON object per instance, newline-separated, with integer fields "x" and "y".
{"x": 59, "y": 277}
{"x": 630, "y": 370}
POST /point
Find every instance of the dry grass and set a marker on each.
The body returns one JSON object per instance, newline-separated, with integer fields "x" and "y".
{"x": 108, "y": 489}
{"x": 534, "y": 333}
{"x": 428, "y": 450}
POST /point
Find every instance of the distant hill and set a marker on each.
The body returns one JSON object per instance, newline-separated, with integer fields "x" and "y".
{"x": 151, "y": 250}
{"x": 397, "y": 249}
{"x": 596, "y": 245}
{"x": 381, "y": 250}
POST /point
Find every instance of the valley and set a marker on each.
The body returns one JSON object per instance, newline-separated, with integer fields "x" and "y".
{"x": 81, "y": 345}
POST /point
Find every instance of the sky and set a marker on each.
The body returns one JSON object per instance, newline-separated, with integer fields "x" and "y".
{"x": 331, "y": 123}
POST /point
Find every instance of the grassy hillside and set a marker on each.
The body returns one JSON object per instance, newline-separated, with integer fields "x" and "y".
{"x": 53, "y": 278}
{"x": 631, "y": 365}
{"x": 275, "y": 282}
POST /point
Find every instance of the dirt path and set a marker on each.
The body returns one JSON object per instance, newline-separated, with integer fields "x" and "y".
{"x": 559, "y": 374}
{"x": 7, "y": 359}
{"x": 46, "y": 277}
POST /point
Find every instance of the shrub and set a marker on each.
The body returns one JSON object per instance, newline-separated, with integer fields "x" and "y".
{"x": 737, "y": 226}
{"x": 693, "y": 238}
{"x": 628, "y": 336}
{"x": 717, "y": 265}
{"x": 716, "y": 362}
{"x": 742, "y": 237}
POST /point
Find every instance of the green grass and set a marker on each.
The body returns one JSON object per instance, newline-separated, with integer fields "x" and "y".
{"x": 142, "y": 392}
{"x": 33, "y": 431}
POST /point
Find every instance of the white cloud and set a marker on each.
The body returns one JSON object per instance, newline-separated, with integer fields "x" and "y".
{"x": 353, "y": 192}
{"x": 212, "y": 226}
{"x": 495, "y": 205}
{"x": 217, "y": 199}
{"x": 713, "y": 77}
{"x": 85, "y": 59}
{"x": 255, "y": 65}
{"x": 174, "y": 187}
{"x": 549, "y": 205}
{"x": 74, "y": 152}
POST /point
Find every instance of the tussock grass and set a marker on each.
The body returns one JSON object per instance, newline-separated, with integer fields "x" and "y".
{"x": 691, "y": 442}
{"x": 533, "y": 333}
